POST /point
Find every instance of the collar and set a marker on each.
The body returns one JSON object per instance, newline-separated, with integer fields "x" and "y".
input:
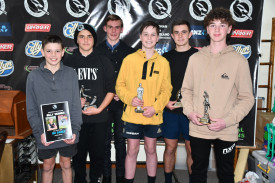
{"x": 143, "y": 54}
{"x": 112, "y": 47}
{"x": 44, "y": 69}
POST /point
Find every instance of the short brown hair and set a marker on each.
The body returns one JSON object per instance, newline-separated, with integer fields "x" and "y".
{"x": 220, "y": 13}
{"x": 147, "y": 24}
{"x": 52, "y": 39}
{"x": 180, "y": 22}
{"x": 113, "y": 17}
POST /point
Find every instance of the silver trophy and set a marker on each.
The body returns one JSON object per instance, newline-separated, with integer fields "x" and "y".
{"x": 140, "y": 92}
{"x": 178, "y": 102}
{"x": 90, "y": 101}
{"x": 205, "y": 119}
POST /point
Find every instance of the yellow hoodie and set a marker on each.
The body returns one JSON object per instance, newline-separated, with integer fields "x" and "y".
{"x": 155, "y": 79}
{"x": 226, "y": 78}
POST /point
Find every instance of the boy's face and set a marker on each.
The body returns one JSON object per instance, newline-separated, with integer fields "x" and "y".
{"x": 53, "y": 53}
{"x": 149, "y": 37}
{"x": 113, "y": 30}
{"x": 218, "y": 30}
{"x": 181, "y": 35}
{"x": 85, "y": 41}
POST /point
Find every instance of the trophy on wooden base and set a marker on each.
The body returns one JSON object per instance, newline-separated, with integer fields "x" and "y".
{"x": 205, "y": 119}
{"x": 140, "y": 92}
{"x": 178, "y": 102}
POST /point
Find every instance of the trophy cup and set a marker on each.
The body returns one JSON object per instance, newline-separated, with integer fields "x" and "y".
{"x": 178, "y": 102}
{"x": 205, "y": 119}
{"x": 140, "y": 92}
{"x": 87, "y": 97}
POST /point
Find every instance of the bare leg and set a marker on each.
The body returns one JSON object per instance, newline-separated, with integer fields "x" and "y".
{"x": 151, "y": 155}
{"x": 131, "y": 158}
{"x": 48, "y": 166}
{"x": 65, "y": 163}
{"x": 189, "y": 159}
{"x": 169, "y": 154}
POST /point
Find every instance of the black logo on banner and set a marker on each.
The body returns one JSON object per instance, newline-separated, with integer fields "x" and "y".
{"x": 160, "y": 9}
{"x": 36, "y": 8}
{"x": 78, "y": 8}
{"x": 241, "y": 10}
{"x": 119, "y": 7}
{"x": 199, "y": 8}
{"x": 2, "y": 7}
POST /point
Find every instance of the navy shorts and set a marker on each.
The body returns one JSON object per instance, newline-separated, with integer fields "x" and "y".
{"x": 174, "y": 124}
{"x": 138, "y": 131}
{"x": 67, "y": 151}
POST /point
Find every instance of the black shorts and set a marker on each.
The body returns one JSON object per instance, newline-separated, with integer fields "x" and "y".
{"x": 67, "y": 151}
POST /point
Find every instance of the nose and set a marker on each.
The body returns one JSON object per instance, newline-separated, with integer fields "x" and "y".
{"x": 113, "y": 29}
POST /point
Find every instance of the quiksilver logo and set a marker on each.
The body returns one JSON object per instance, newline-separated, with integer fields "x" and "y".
{"x": 36, "y": 8}
{"x": 199, "y": 9}
{"x": 2, "y": 7}
{"x": 78, "y": 8}
{"x": 241, "y": 10}
{"x": 160, "y": 9}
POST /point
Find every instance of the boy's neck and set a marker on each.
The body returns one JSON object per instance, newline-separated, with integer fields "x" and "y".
{"x": 182, "y": 48}
{"x": 149, "y": 52}
{"x": 216, "y": 47}
{"x": 85, "y": 53}
{"x": 52, "y": 68}
{"x": 112, "y": 43}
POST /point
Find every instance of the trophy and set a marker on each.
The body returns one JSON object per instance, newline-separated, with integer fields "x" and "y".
{"x": 140, "y": 92}
{"x": 178, "y": 102}
{"x": 89, "y": 100}
{"x": 205, "y": 119}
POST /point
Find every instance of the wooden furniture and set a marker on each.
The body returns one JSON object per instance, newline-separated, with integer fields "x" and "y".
{"x": 13, "y": 114}
{"x": 270, "y": 69}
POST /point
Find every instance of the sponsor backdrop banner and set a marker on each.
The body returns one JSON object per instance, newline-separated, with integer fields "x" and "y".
{"x": 24, "y": 23}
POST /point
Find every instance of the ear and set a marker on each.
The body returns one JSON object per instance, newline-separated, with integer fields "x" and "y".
{"x": 63, "y": 51}
{"x": 42, "y": 51}
{"x": 105, "y": 28}
{"x": 121, "y": 30}
{"x": 190, "y": 34}
{"x": 172, "y": 35}
{"x": 229, "y": 29}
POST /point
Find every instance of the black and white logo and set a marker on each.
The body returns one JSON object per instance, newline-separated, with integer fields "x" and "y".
{"x": 160, "y": 9}
{"x": 78, "y": 8}
{"x": 2, "y": 7}
{"x": 36, "y": 8}
{"x": 54, "y": 106}
{"x": 199, "y": 8}
{"x": 118, "y": 6}
{"x": 241, "y": 10}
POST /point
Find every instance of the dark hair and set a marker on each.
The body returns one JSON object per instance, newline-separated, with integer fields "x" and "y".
{"x": 113, "y": 17}
{"x": 220, "y": 13}
{"x": 147, "y": 24}
{"x": 180, "y": 22}
{"x": 51, "y": 39}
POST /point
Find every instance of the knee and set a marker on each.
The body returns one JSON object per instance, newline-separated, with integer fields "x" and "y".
{"x": 170, "y": 151}
{"x": 132, "y": 152}
{"x": 48, "y": 167}
{"x": 150, "y": 151}
{"x": 65, "y": 165}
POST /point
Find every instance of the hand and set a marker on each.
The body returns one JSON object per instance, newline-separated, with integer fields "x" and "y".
{"x": 116, "y": 98}
{"x": 148, "y": 111}
{"x": 82, "y": 100}
{"x": 137, "y": 102}
{"x": 194, "y": 118}
{"x": 70, "y": 141}
{"x": 91, "y": 111}
{"x": 217, "y": 125}
{"x": 43, "y": 140}
{"x": 171, "y": 106}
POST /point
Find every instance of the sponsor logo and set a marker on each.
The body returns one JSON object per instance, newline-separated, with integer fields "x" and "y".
{"x": 78, "y": 8}
{"x": 36, "y": 8}
{"x": 119, "y": 7}
{"x": 244, "y": 50}
{"x": 5, "y": 29}
{"x": 241, "y": 10}
{"x": 37, "y": 27}
{"x": 70, "y": 50}
{"x": 198, "y": 32}
{"x": 30, "y": 68}
{"x": 5, "y": 87}
{"x": 2, "y": 7}
{"x": 69, "y": 28}
{"x": 199, "y": 9}
{"x": 228, "y": 150}
{"x": 238, "y": 33}
{"x": 162, "y": 34}
{"x": 132, "y": 133}
{"x": 6, "y": 68}
{"x": 6, "y": 46}
{"x": 163, "y": 48}
{"x": 160, "y": 9}
{"x": 33, "y": 49}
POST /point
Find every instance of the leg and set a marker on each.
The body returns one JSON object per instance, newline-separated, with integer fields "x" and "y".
{"x": 131, "y": 158}
{"x": 119, "y": 144}
{"x": 79, "y": 160}
{"x": 48, "y": 166}
{"x": 97, "y": 150}
{"x": 151, "y": 155}
{"x": 224, "y": 154}
{"x": 107, "y": 172}
{"x": 200, "y": 154}
{"x": 169, "y": 154}
{"x": 65, "y": 163}
{"x": 189, "y": 159}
